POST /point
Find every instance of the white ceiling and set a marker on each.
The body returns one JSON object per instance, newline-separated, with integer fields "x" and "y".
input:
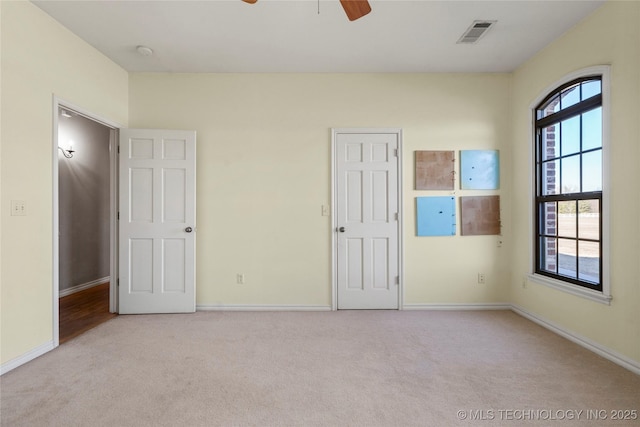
{"x": 290, "y": 36}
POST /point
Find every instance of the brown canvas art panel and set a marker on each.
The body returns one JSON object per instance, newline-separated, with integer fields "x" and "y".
{"x": 435, "y": 170}
{"x": 480, "y": 215}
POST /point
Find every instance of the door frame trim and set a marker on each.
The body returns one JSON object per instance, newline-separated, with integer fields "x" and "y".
{"x": 334, "y": 209}
{"x": 113, "y": 199}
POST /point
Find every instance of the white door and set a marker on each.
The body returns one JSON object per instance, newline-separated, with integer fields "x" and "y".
{"x": 367, "y": 227}
{"x": 157, "y": 221}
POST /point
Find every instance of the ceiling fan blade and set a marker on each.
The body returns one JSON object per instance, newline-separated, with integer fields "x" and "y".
{"x": 250, "y": 1}
{"x": 355, "y": 8}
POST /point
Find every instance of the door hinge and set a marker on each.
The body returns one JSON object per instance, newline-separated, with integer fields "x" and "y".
{"x": 118, "y": 282}
{"x": 118, "y": 149}
{"x": 118, "y": 216}
{"x": 395, "y": 215}
{"x": 397, "y": 280}
{"x": 395, "y": 152}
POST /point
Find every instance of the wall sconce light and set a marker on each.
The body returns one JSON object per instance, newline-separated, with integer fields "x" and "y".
{"x": 68, "y": 153}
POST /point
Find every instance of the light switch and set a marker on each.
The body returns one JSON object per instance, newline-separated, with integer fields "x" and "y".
{"x": 325, "y": 210}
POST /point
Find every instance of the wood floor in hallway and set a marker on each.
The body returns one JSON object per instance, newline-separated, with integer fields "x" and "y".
{"x": 84, "y": 310}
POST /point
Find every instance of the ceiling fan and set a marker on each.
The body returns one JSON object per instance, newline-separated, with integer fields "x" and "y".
{"x": 354, "y": 8}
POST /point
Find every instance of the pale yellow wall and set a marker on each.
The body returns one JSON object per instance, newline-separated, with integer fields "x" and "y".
{"x": 610, "y": 36}
{"x": 264, "y": 170}
{"x": 40, "y": 59}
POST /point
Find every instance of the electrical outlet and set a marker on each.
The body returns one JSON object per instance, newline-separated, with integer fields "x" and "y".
{"x": 18, "y": 208}
{"x": 240, "y": 279}
{"x": 481, "y": 278}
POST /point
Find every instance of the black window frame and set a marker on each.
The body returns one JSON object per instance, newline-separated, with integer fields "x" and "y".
{"x": 542, "y": 122}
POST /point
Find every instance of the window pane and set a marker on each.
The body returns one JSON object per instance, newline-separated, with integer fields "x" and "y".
{"x": 549, "y": 219}
{"x": 591, "y": 88}
{"x": 589, "y": 261}
{"x": 550, "y": 181}
{"x": 550, "y": 142}
{"x": 570, "y": 97}
{"x": 589, "y": 219}
{"x": 567, "y": 258}
{"x": 571, "y": 174}
{"x": 570, "y": 136}
{"x": 552, "y": 106}
{"x": 567, "y": 219}
{"x": 592, "y": 171}
{"x": 592, "y": 129}
{"x": 548, "y": 254}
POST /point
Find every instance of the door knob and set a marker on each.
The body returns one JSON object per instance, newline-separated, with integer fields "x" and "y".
{"x": 341, "y": 229}
{"x": 188, "y": 229}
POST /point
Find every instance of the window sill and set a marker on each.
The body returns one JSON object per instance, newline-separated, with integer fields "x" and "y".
{"x": 589, "y": 294}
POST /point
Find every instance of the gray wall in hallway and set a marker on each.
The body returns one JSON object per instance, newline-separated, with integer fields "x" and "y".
{"x": 83, "y": 201}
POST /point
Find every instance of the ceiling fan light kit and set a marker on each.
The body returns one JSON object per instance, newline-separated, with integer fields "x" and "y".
{"x": 354, "y": 9}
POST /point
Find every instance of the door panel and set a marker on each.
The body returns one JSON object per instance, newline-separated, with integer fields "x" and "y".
{"x": 141, "y": 265}
{"x": 354, "y": 196}
{"x": 157, "y": 221}
{"x": 379, "y": 196}
{"x": 380, "y": 258}
{"x": 367, "y": 202}
{"x": 174, "y": 197}
{"x": 354, "y": 264}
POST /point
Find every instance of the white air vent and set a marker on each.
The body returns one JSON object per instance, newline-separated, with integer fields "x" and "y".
{"x": 476, "y": 31}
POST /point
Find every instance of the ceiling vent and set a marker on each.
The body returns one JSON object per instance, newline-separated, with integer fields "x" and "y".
{"x": 475, "y": 32}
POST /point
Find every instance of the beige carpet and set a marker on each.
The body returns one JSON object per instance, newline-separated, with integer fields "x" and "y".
{"x": 346, "y": 368}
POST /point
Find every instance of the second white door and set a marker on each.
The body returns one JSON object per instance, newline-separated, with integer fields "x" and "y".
{"x": 367, "y": 213}
{"x": 157, "y": 221}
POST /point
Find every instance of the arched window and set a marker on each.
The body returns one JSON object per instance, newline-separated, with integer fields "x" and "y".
{"x": 569, "y": 183}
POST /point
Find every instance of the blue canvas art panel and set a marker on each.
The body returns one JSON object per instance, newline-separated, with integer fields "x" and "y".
{"x": 479, "y": 170}
{"x": 436, "y": 216}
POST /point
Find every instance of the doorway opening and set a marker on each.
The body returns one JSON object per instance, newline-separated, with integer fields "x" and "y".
{"x": 85, "y": 229}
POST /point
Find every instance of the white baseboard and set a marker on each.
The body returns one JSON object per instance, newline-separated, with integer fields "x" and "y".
{"x": 590, "y": 345}
{"x": 27, "y": 357}
{"x": 445, "y": 306}
{"x": 83, "y": 286}
{"x": 261, "y": 307}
